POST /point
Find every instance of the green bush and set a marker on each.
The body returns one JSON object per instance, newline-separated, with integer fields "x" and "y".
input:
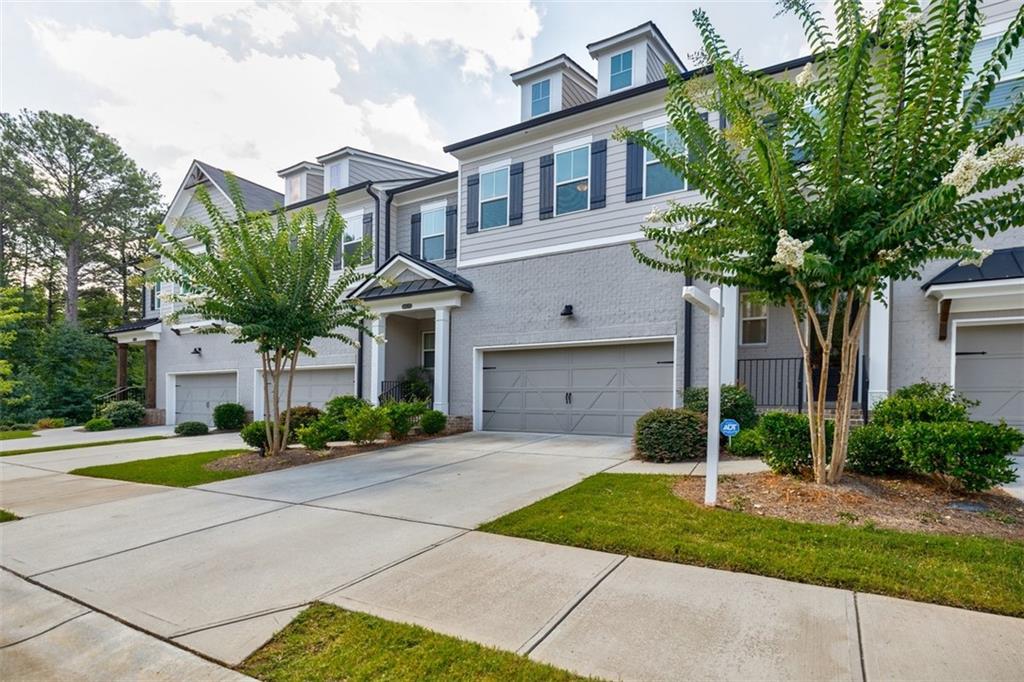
{"x": 874, "y": 450}
{"x": 338, "y": 405}
{"x": 255, "y": 435}
{"x": 229, "y": 416}
{"x": 50, "y": 423}
{"x": 18, "y": 426}
{"x": 975, "y": 454}
{"x": 671, "y": 435}
{"x": 401, "y": 417}
{"x": 301, "y": 415}
{"x": 124, "y": 413}
{"x": 923, "y": 402}
{"x": 324, "y": 430}
{"x": 191, "y": 429}
{"x": 736, "y": 403}
{"x": 366, "y": 423}
{"x": 747, "y": 443}
{"x": 433, "y": 422}
{"x": 99, "y": 424}
{"x": 786, "y": 441}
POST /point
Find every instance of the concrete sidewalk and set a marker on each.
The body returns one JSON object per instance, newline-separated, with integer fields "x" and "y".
{"x": 73, "y": 435}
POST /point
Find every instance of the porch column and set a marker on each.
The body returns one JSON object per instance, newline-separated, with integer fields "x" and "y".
{"x": 151, "y": 374}
{"x": 730, "y": 333}
{"x": 122, "y": 366}
{"x": 377, "y": 354}
{"x": 441, "y": 364}
{"x": 878, "y": 347}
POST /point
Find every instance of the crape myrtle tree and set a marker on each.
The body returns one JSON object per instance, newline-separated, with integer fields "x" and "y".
{"x": 879, "y": 156}
{"x": 269, "y": 280}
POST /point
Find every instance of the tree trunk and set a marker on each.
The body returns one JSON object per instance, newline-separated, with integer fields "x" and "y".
{"x": 74, "y": 264}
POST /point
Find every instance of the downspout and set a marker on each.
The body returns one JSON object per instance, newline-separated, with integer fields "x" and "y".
{"x": 687, "y": 342}
{"x": 376, "y": 225}
{"x": 359, "y": 366}
{"x": 387, "y": 226}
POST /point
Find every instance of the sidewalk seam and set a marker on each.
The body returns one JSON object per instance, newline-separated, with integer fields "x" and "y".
{"x": 860, "y": 639}
{"x": 43, "y": 632}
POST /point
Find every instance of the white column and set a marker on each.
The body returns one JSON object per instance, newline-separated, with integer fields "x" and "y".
{"x": 730, "y": 332}
{"x": 441, "y": 364}
{"x": 715, "y": 363}
{"x": 878, "y": 347}
{"x": 379, "y": 328}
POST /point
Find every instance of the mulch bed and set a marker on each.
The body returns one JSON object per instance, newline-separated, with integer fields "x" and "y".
{"x": 909, "y": 503}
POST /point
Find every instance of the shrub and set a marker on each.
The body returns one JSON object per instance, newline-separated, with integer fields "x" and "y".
{"x": 191, "y": 429}
{"x": 301, "y": 415}
{"x": 975, "y": 454}
{"x": 255, "y": 435}
{"x": 99, "y": 424}
{"x": 747, "y": 443}
{"x": 124, "y": 413}
{"x": 18, "y": 426}
{"x": 874, "y": 450}
{"x": 50, "y": 423}
{"x": 338, "y": 405}
{"x": 401, "y": 416}
{"x": 923, "y": 402}
{"x": 433, "y": 422}
{"x": 671, "y": 435}
{"x": 366, "y": 423}
{"x": 229, "y": 416}
{"x": 736, "y": 403}
{"x": 324, "y": 430}
{"x": 786, "y": 441}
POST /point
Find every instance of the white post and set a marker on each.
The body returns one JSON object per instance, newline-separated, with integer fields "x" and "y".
{"x": 441, "y": 344}
{"x": 377, "y": 353}
{"x": 878, "y": 347}
{"x": 730, "y": 333}
{"x": 714, "y": 398}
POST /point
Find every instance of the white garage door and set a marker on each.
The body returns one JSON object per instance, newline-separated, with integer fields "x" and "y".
{"x": 990, "y": 369}
{"x": 195, "y": 395}
{"x": 314, "y": 387}
{"x": 587, "y": 390}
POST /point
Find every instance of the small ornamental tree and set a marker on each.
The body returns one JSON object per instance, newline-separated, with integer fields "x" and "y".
{"x": 879, "y": 156}
{"x": 268, "y": 279}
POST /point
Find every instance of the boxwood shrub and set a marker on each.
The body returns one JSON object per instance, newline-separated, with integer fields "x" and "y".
{"x": 974, "y": 454}
{"x": 255, "y": 435}
{"x": 874, "y": 450}
{"x": 671, "y": 435}
{"x": 401, "y": 416}
{"x": 923, "y": 402}
{"x": 736, "y": 403}
{"x": 301, "y": 415}
{"x": 191, "y": 429}
{"x": 229, "y": 416}
{"x": 366, "y": 423}
{"x": 433, "y": 422}
{"x": 338, "y": 405}
{"x": 324, "y": 430}
{"x": 99, "y": 424}
{"x": 124, "y": 413}
{"x": 747, "y": 443}
{"x": 786, "y": 441}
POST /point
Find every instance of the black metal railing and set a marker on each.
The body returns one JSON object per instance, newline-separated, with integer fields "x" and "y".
{"x": 773, "y": 382}
{"x": 137, "y": 393}
{"x": 391, "y": 391}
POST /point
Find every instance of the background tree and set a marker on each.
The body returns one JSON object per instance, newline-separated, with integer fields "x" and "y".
{"x": 269, "y": 280}
{"x": 876, "y": 158}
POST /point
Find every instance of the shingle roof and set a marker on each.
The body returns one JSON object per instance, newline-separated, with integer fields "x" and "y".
{"x": 256, "y": 197}
{"x": 416, "y": 286}
{"x": 133, "y": 326}
{"x": 1002, "y": 264}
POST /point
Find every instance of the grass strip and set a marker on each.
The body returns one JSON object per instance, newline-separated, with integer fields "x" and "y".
{"x": 326, "y": 642}
{"x": 7, "y": 516}
{"x": 638, "y": 515}
{"x": 12, "y": 435}
{"x": 75, "y": 446}
{"x": 181, "y": 471}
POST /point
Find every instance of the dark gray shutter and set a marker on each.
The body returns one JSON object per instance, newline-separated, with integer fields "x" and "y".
{"x": 691, "y": 152}
{"x": 547, "y": 186}
{"x": 634, "y": 171}
{"x": 414, "y": 247}
{"x": 472, "y": 204}
{"x": 598, "y": 172}
{"x": 451, "y": 219}
{"x": 515, "y": 194}
{"x": 368, "y": 234}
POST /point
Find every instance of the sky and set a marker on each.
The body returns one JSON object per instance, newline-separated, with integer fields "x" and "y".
{"x": 253, "y": 87}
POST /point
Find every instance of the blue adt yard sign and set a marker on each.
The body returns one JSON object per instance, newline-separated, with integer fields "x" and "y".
{"x": 729, "y": 427}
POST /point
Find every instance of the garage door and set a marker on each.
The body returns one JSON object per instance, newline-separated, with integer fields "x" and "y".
{"x": 315, "y": 387}
{"x": 195, "y": 395}
{"x": 990, "y": 369}
{"x": 587, "y": 390}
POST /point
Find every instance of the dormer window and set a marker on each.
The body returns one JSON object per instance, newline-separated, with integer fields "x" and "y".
{"x": 334, "y": 176}
{"x": 622, "y": 70}
{"x": 540, "y": 98}
{"x": 293, "y": 189}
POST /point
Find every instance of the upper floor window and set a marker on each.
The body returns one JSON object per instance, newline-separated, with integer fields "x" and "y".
{"x": 353, "y": 238}
{"x": 1011, "y": 81}
{"x": 293, "y": 189}
{"x": 657, "y": 178}
{"x": 540, "y": 98}
{"x": 572, "y": 180}
{"x": 753, "y": 321}
{"x": 622, "y": 70}
{"x": 334, "y": 176}
{"x": 432, "y": 233}
{"x": 494, "y": 198}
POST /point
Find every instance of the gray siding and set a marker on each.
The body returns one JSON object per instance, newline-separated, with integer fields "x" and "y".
{"x": 655, "y": 66}
{"x": 574, "y": 93}
{"x": 401, "y": 241}
{"x": 195, "y": 211}
{"x": 314, "y": 185}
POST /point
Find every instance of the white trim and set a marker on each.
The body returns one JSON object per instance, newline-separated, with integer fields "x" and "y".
{"x": 258, "y": 408}
{"x": 557, "y": 248}
{"x": 557, "y": 184}
{"x": 397, "y": 262}
{"x": 976, "y": 322}
{"x": 493, "y": 166}
{"x": 743, "y": 319}
{"x": 572, "y": 144}
{"x": 434, "y": 205}
{"x": 478, "y": 363}
{"x": 171, "y": 396}
{"x": 448, "y": 299}
{"x": 656, "y": 122}
{"x": 879, "y": 324}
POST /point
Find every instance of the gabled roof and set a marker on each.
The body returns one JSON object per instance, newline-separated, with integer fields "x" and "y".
{"x": 374, "y": 156}
{"x": 432, "y": 278}
{"x": 133, "y": 326}
{"x": 256, "y": 197}
{"x": 1002, "y": 264}
{"x": 563, "y": 60}
{"x": 648, "y": 28}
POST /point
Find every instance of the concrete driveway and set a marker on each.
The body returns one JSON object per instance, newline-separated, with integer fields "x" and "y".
{"x": 74, "y": 435}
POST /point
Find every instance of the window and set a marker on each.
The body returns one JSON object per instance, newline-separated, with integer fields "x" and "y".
{"x": 432, "y": 233}
{"x": 428, "y": 350}
{"x": 657, "y": 178}
{"x": 352, "y": 240}
{"x": 540, "y": 98}
{"x": 494, "y": 198}
{"x": 622, "y": 70}
{"x": 753, "y": 321}
{"x": 293, "y": 189}
{"x": 334, "y": 176}
{"x": 572, "y": 180}
{"x": 1011, "y": 80}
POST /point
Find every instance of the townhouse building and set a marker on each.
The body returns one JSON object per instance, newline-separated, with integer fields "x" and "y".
{"x": 511, "y": 280}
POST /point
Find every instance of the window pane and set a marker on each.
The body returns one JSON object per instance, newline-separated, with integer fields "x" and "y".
{"x": 493, "y": 213}
{"x": 433, "y": 248}
{"x": 572, "y": 165}
{"x": 335, "y": 176}
{"x": 751, "y": 308}
{"x": 622, "y": 70}
{"x": 580, "y": 162}
{"x": 494, "y": 183}
{"x": 661, "y": 180}
{"x": 667, "y": 135}
{"x": 540, "y": 106}
{"x": 571, "y": 197}
{"x": 755, "y": 331}
{"x": 428, "y": 341}
{"x": 540, "y": 98}
{"x": 432, "y": 222}
{"x": 428, "y": 359}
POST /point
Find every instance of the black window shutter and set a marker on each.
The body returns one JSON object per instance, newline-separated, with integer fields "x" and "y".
{"x": 414, "y": 247}
{"x": 368, "y": 235}
{"x": 515, "y": 194}
{"x": 547, "y": 186}
{"x": 598, "y": 172}
{"x": 472, "y": 204}
{"x": 451, "y": 219}
{"x": 634, "y": 171}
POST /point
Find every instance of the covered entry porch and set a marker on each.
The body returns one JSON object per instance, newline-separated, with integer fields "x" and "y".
{"x": 145, "y": 334}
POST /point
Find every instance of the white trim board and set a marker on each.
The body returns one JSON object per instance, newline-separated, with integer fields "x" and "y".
{"x": 555, "y": 248}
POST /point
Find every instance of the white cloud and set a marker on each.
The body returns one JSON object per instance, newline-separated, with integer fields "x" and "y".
{"x": 170, "y": 97}
{"x": 267, "y": 23}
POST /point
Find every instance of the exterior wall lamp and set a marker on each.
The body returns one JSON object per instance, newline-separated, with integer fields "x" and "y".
{"x": 197, "y": 351}
{"x": 567, "y": 311}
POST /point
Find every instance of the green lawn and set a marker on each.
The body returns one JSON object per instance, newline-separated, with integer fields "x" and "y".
{"x": 329, "y": 643}
{"x": 638, "y": 515}
{"x": 7, "y": 516}
{"x": 178, "y": 470}
{"x": 11, "y": 435}
{"x": 51, "y": 448}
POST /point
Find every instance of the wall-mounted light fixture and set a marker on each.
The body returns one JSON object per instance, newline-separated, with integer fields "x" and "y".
{"x": 197, "y": 351}
{"x": 567, "y": 311}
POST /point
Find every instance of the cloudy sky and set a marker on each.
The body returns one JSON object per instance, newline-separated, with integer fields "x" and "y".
{"x": 256, "y": 86}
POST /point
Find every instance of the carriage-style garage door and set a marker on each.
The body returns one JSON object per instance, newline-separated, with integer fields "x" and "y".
{"x": 314, "y": 387}
{"x": 990, "y": 369}
{"x": 587, "y": 390}
{"x": 195, "y": 395}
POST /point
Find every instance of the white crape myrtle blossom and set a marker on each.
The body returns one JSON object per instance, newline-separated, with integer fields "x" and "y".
{"x": 805, "y": 77}
{"x": 970, "y": 167}
{"x": 654, "y": 216}
{"x": 789, "y": 252}
{"x": 977, "y": 258}
{"x": 912, "y": 25}
{"x": 888, "y": 255}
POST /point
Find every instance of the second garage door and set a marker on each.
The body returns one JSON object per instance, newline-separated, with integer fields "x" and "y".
{"x": 315, "y": 387}
{"x": 195, "y": 395}
{"x": 990, "y": 369}
{"x": 587, "y": 390}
